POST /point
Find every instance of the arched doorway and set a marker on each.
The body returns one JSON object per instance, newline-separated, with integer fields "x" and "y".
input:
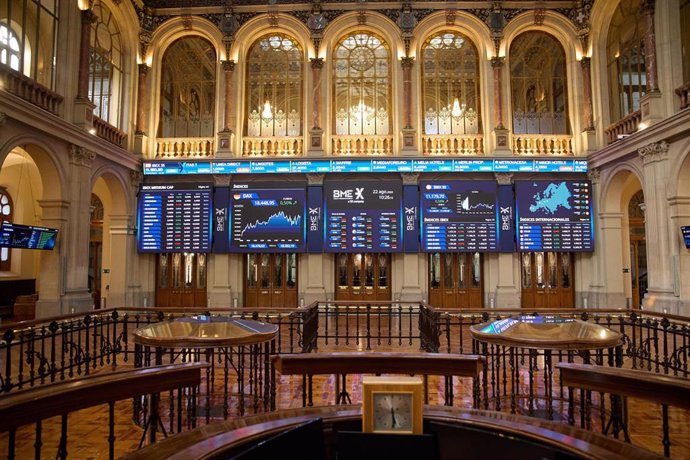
{"x": 638, "y": 249}
{"x": 96, "y": 249}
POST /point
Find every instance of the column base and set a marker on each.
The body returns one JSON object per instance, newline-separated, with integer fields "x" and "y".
{"x": 651, "y": 107}
{"x": 314, "y": 294}
{"x": 502, "y": 142}
{"x": 83, "y": 113}
{"x": 140, "y": 142}
{"x": 589, "y": 140}
{"x": 600, "y": 300}
{"x": 224, "y": 142}
{"x": 505, "y": 297}
{"x": 76, "y": 301}
{"x": 410, "y": 294}
{"x": 315, "y": 143}
{"x": 47, "y": 308}
{"x": 662, "y": 302}
{"x": 409, "y": 148}
{"x": 220, "y": 297}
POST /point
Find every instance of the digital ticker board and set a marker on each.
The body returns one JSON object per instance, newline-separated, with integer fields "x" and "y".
{"x": 554, "y": 215}
{"x": 459, "y": 216}
{"x": 266, "y": 218}
{"x": 174, "y": 218}
{"x": 363, "y": 216}
{"x": 27, "y": 236}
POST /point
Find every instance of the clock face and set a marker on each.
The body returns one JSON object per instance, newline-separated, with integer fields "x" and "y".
{"x": 392, "y": 412}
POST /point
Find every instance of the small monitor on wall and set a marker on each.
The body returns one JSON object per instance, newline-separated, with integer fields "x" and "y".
{"x": 27, "y": 236}
{"x": 686, "y": 235}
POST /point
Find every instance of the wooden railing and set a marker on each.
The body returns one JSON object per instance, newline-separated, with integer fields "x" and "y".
{"x": 184, "y": 147}
{"x": 448, "y": 144}
{"x": 362, "y": 145}
{"x": 623, "y": 383}
{"x": 542, "y": 144}
{"x": 624, "y": 127}
{"x": 106, "y": 131}
{"x": 272, "y": 146}
{"x": 684, "y": 93}
{"x": 60, "y": 399}
{"x": 22, "y": 86}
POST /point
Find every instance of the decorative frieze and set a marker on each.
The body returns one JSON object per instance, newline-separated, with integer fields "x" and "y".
{"x": 656, "y": 151}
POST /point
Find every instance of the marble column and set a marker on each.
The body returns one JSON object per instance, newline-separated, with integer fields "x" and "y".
{"x": 225, "y": 135}
{"x": 587, "y": 114}
{"x": 408, "y": 130}
{"x": 502, "y": 134}
{"x": 316, "y": 132}
{"x": 647, "y": 9}
{"x": 87, "y": 18}
{"x": 142, "y": 101}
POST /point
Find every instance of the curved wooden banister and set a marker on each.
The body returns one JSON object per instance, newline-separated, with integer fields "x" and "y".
{"x": 661, "y": 389}
{"x": 29, "y": 406}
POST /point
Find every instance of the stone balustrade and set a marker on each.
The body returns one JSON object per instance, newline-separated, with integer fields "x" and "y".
{"x": 450, "y": 144}
{"x": 362, "y": 145}
{"x": 106, "y": 131}
{"x": 184, "y": 147}
{"x": 543, "y": 144}
{"x": 624, "y": 127}
{"x": 272, "y": 146}
{"x": 24, "y": 87}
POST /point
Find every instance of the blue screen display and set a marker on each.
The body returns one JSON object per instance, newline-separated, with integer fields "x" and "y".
{"x": 27, "y": 236}
{"x": 264, "y": 218}
{"x": 459, "y": 216}
{"x": 363, "y": 216}
{"x": 174, "y": 218}
{"x": 686, "y": 235}
{"x": 554, "y": 215}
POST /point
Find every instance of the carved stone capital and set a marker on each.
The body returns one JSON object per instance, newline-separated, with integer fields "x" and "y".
{"x": 410, "y": 178}
{"x": 586, "y": 62}
{"x": 656, "y": 151}
{"x": 143, "y": 70}
{"x": 228, "y": 66}
{"x": 406, "y": 62}
{"x": 504, "y": 178}
{"x": 135, "y": 178}
{"x": 498, "y": 61}
{"x": 594, "y": 175}
{"x": 80, "y": 156}
{"x": 222, "y": 180}
{"x": 144, "y": 42}
{"x": 315, "y": 178}
{"x": 88, "y": 17}
{"x": 316, "y": 63}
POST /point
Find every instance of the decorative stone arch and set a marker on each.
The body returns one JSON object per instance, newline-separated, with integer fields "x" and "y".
{"x": 120, "y": 192}
{"x": 679, "y": 170}
{"x": 259, "y": 26}
{"x": 614, "y": 197}
{"x": 559, "y": 27}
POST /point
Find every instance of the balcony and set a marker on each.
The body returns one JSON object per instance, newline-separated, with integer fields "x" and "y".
{"x": 543, "y": 144}
{"x": 624, "y": 127}
{"x": 450, "y": 144}
{"x": 184, "y": 147}
{"x": 106, "y": 131}
{"x": 362, "y": 145}
{"x": 272, "y": 146}
{"x": 24, "y": 87}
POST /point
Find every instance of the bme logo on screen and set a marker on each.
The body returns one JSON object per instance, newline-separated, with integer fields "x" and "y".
{"x": 356, "y": 195}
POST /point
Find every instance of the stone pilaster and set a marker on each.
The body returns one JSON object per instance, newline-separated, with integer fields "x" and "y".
{"x": 316, "y": 132}
{"x": 52, "y": 268}
{"x": 408, "y": 145}
{"x": 502, "y": 135}
{"x": 142, "y": 110}
{"x": 225, "y": 135}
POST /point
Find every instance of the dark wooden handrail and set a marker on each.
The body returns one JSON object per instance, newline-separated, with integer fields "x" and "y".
{"x": 661, "y": 389}
{"x": 30, "y": 406}
{"x": 377, "y": 362}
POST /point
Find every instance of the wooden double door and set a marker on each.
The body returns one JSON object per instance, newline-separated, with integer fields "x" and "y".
{"x": 363, "y": 276}
{"x": 270, "y": 280}
{"x": 181, "y": 280}
{"x": 455, "y": 280}
{"x": 547, "y": 280}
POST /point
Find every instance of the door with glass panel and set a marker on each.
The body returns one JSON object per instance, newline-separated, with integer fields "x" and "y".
{"x": 364, "y": 277}
{"x": 270, "y": 280}
{"x": 455, "y": 280}
{"x": 547, "y": 280}
{"x": 181, "y": 280}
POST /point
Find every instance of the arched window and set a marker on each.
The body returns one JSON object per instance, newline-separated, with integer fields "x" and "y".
{"x": 625, "y": 53}
{"x": 539, "y": 91}
{"x": 274, "y": 87}
{"x": 188, "y": 89}
{"x": 685, "y": 38}
{"x": 6, "y": 209}
{"x": 450, "y": 79}
{"x": 9, "y": 47}
{"x": 362, "y": 85}
{"x": 105, "y": 65}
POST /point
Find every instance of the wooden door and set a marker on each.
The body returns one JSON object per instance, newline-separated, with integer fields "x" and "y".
{"x": 455, "y": 280}
{"x": 638, "y": 270}
{"x": 181, "y": 280}
{"x": 363, "y": 276}
{"x": 270, "y": 281}
{"x": 547, "y": 280}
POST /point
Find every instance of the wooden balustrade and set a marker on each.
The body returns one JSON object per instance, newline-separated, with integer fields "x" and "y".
{"x": 184, "y": 147}
{"x": 684, "y": 93}
{"x": 623, "y": 383}
{"x": 449, "y": 144}
{"x": 110, "y": 133}
{"x": 26, "y": 88}
{"x": 362, "y": 145}
{"x": 624, "y": 127}
{"x": 542, "y": 144}
{"x": 272, "y": 146}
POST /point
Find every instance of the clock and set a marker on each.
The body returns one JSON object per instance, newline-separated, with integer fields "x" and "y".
{"x": 392, "y": 405}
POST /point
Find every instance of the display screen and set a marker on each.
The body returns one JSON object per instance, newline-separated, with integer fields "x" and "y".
{"x": 686, "y": 235}
{"x": 459, "y": 216}
{"x": 363, "y": 216}
{"x": 266, "y": 218}
{"x": 27, "y": 236}
{"x": 174, "y": 218}
{"x": 554, "y": 215}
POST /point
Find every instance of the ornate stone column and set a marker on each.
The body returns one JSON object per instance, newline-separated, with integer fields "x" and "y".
{"x": 225, "y": 135}
{"x": 318, "y": 266}
{"x": 51, "y": 269}
{"x": 502, "y": 134}
{"x": 140, "y": 135}
{"x": 413, "y": 275}
{"x": 587, "y": 114}
{"x": 222, "y": 268}
{"x": 83, "y": 107}
{"x": 650, "y": 104}
{"x": 123, "y": 249}
{"x": 408, "y": 130}
{"x": 507, "y": 294}
{"x": 316, "y": 132}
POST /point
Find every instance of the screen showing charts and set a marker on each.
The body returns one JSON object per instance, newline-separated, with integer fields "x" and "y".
{"x": 266, "y": 218}
{"x": 554, "y": 215}
{"x": 27, "y": 236}
{"x": 363, "y": 216}
{"x": 174, "y": 218}
{"x": 459, "y": 216}
{"x": 686, "y": 235}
